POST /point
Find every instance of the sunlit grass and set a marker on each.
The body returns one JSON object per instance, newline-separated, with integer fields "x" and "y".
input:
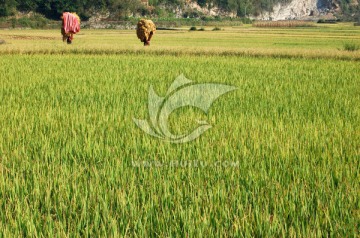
{"x": 316, "y": 42}
{"x": 281, "y": 160}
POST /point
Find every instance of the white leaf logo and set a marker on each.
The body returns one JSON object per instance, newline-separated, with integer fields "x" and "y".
{"x": 182, "y": 92}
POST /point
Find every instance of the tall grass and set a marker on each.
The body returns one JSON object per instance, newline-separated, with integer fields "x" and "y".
{"x": 72, "y": 160}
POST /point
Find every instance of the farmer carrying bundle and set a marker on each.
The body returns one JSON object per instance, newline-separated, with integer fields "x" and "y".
{"x": 145, "y": 30}
{"x": 70, "y": 26}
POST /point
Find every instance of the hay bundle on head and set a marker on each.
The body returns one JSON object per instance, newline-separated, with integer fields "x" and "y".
{"x": 70, "y": 26}
{"x": 145, "y": 30}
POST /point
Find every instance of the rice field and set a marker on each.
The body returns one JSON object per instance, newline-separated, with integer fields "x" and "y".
{"x": 273, "y": 24}
{"x": 323, "y": 41}
{"x": 281, "y": 158}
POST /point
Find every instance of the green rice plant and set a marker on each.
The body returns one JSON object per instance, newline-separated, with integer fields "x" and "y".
{"x": 350, "y": 46}
{"x": 281, "y": 158}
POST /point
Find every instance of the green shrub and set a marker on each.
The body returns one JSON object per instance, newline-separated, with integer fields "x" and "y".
{"x": 328, "y": 21}
{"x": 35, "y": 21}
{"x": 207, "y": 18}
{"x": 202, "y": 29}
{"x": 13, "y": 22}
{"x": 246, "y": 20}
{"x": 39, "y": 21}
{"x": 217, "y": 29}
{"x": 351, "y": 46}
{"x": 192, "y": 14}
{"x": 193, "y": 28}
{"x": 24, "y": 22}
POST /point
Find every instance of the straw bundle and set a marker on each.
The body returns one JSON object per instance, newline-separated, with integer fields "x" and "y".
{"x": 70, "y": 25}
{"x": 145, "y": 30}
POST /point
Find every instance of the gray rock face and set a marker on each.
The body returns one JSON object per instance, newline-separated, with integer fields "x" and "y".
{"x": 297, "y": 9}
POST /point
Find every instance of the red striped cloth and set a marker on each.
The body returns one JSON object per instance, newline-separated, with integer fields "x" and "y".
{"x": 71, "y": 23}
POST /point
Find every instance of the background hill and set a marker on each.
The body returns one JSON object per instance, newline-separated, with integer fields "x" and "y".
{"x": 121, "y": 9}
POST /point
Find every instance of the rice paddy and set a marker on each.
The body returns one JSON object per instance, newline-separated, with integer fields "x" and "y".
{"x": 281, "y": 158}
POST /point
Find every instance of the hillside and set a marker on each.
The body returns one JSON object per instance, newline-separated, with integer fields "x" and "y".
{"x": 122, "y": 9}
{"x": 310, "y": 9}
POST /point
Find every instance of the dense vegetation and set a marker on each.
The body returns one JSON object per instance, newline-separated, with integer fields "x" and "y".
{"x": 123, "y": 8}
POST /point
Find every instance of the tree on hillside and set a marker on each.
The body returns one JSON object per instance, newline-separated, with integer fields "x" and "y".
{"x": 124, "y": 8}
{"x": 27, "y": 5}
{"x": 7, "y": 7}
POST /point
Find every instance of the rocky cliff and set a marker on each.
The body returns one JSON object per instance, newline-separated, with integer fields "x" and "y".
{"x": 296, "y": 9}
{"x": 304, "y": 9}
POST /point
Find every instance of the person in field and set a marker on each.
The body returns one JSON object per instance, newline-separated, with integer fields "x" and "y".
{"x": 70, "y": 26}
{"x": 145, "y": 30}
